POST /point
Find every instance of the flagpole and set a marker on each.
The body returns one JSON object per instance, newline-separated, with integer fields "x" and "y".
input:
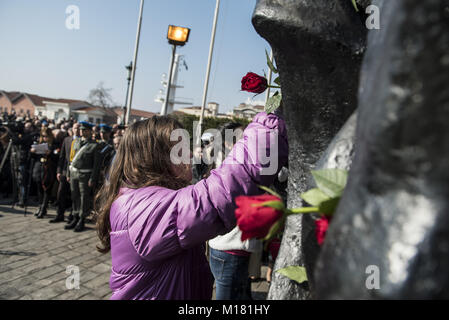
{"x": 206, "y": 82}
{"x": 269, "y": 78}
{"x": 136, "y": 49}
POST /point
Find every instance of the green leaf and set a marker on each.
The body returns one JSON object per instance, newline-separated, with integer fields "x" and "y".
{"x": 278, "y": 205}
{"x": 296, "y": 273}
{"x": 277, "y": 81}
{"x": 269, "y": 63}
{"x": 331, "y": 181}
{"x": 355, "y": 5}
{"x": 274, "y": 229}
{"x": 328, "y": 207}
{"x": 266, "y": 189}
{"x": 315, "y": 197}
{"x": 273, "y": 103}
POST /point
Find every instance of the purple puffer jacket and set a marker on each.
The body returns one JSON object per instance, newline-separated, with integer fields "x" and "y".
{"x": 158, "y": 235}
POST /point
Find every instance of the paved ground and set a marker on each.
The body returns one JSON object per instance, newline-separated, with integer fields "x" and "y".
{"x": 35, "y": 256}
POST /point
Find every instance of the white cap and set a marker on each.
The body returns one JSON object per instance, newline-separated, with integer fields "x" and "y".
{"x": 207, "y": 136}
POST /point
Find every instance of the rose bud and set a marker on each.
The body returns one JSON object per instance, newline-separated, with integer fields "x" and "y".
{"x": 254, "y": 83}
{"x": 253, "y": 219}
{"x": 321, "y": 228}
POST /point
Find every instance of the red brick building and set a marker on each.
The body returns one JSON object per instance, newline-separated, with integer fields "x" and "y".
{"x": 6, "y": 99}
{"x": 23, "y": 104}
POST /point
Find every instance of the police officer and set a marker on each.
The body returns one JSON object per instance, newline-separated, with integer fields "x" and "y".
{"x": 83, "y": 175}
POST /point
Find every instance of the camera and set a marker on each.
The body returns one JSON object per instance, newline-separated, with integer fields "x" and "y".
{"x": 9, "y": 121}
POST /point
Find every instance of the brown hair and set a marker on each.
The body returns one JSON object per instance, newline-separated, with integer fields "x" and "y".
{"x": 142, "y": 160}
{"x": 49, "y": 133}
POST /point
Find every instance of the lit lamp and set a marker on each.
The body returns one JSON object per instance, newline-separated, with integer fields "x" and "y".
{"x": 177, "y": 36}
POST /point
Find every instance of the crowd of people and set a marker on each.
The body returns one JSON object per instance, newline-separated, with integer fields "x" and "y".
{"x": 61, "y": 162}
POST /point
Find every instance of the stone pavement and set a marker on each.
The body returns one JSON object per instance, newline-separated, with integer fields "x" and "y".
{"x": 35, "y": 256}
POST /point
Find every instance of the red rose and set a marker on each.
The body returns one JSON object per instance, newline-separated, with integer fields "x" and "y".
{"x": 254, "y": 220}
{"x": 321, "y": 228}
{"x": 254, "y": 83}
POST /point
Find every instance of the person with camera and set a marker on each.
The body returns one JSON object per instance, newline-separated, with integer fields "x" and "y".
{"x": 6, "y": 179}
{"x": 83, "y": 174}
{"x": 22, "y": 139}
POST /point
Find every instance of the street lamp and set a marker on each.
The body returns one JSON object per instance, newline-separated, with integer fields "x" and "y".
{"x": 129, "y": 68}
{"x": 177, "y": 36}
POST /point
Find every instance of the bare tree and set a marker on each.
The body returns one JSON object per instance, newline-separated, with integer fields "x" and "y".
{"x": 100, "y": 96}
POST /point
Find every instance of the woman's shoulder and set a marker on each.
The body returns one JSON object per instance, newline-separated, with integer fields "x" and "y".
{"x": 141, "y": 192}
{"x": 129, "y": 198}
{"x": 131, "y": 204}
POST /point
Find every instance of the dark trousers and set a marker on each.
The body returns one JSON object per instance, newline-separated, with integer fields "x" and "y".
{"x": 63, "y": 196}
{"x": 22, "y": 182}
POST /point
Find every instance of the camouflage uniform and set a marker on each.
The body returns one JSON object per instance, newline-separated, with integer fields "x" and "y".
{"x": 84, "y": 168}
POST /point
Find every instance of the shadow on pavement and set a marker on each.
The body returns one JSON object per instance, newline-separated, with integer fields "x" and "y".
{"x": 17, "y": 253}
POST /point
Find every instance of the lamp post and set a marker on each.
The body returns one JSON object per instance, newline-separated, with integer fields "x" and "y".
{"x": 129, "y": 68}
{"x": 177, "y": 36}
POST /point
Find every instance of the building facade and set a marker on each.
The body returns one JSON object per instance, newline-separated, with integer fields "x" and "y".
{"x": 135, "y": 115}
{"x": 6, "y": 99}
{"x": 26, "y": 104}
{"x": 211, "y": 110}
{"x": 247, "y": 111}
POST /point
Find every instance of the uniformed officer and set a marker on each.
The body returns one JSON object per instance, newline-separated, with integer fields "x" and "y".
{"x": 83, "y": 175}
{"x": 106, "y": 149}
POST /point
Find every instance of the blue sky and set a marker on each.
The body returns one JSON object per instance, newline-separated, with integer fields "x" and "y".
{"x": 38, "y": 54}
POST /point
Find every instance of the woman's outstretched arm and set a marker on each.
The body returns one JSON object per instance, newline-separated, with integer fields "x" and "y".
{"x": 180, "y": 219}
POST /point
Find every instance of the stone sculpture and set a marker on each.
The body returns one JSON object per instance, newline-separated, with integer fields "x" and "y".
{"x": 393, "y": 219}
{"x": 394, "y": 215}
{"x": 318, "y": 47}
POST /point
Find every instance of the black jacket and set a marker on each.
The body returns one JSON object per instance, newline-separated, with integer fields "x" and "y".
{"x": 64, "y": 155}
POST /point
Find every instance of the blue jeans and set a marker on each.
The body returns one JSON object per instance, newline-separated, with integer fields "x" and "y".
{"x": 231, "y": 275}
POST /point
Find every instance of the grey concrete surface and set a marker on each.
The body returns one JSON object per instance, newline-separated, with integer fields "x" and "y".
{"x": 35, "y": 256}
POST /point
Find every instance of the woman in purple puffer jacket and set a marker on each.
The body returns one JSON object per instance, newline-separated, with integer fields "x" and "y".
{"x": 155, "y": 223}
